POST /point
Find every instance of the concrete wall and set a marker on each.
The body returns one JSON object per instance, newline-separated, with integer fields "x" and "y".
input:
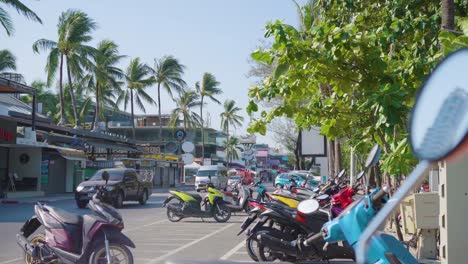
{"x": 32, "y": 169}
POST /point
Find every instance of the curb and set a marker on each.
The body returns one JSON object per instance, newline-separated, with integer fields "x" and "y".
{"x": 9, "y": 202}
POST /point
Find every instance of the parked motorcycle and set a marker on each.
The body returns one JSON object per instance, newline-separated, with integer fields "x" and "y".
{"x": 190, "y": 205}
{"x": 71, "y": 238}
{"x": 243, "y": 203}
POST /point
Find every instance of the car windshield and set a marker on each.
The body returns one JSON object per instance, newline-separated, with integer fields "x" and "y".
{"x": 207, "y": 173}
{"x": 114, "y": 175}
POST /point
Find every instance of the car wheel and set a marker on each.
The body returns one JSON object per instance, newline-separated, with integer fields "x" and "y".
{"x": 144, "y": 197}
{"x": 118, "y": 202}
{"x": 81, "y": 204}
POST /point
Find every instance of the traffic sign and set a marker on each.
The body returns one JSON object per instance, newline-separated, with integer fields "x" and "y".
{"x": 187, "y": 158}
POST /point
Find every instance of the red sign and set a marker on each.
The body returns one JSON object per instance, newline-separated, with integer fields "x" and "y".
{"x": 7, "y": 132}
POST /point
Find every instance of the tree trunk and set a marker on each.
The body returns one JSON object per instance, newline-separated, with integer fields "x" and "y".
{"x": 331, "y": 158}
{"x": 337, "y": 153}
{"x": 297, "y": 150}
{"x": 72, "y": 95}
{"x": 159, "y": 112}
{"x": 202, "y": 129}
{"x": 448, "y": 14}
{"x": 98, "y": 109}
{"x": 133, "y": 114}
{"x": 63, "y": 117}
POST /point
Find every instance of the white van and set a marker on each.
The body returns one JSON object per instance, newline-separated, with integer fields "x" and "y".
{"x": 218, "y": 175}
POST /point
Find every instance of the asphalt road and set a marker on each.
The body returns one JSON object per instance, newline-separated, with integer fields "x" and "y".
{"x": 156, "y": 238}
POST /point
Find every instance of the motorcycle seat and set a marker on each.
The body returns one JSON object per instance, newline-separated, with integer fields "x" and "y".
{"x": 196, "y": 196}
{"x": 64, "y": 216}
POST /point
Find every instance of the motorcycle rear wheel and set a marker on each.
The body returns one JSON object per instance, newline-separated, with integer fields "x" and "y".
{"x": 120, "y": 254}
{"x": 223, "y": 215}
{"x": 171, "y": 215}
{"x": 35, "y": 240}
{"x": 264, "y": 253}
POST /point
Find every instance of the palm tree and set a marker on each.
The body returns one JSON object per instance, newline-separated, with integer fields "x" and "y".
{"x": 187, "y": 100}
{"x": 208, "y": 88}
{"x": 230, "y": 117}
{"x": 104, "y": 77}
{"x": 74, "y": 30}
{"x": 5, "y": 19}
{"x": 137, "y": 78}
{"x": 7, "y": 60}
{"x": 230, "y": 148}
{"x": 167, "y": 73}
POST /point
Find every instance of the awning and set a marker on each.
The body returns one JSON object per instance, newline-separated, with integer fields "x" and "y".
{"x": 70, "y": 154}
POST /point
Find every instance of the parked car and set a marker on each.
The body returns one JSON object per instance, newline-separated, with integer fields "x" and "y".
{"x": 234, "y": 180}
{"x": 284, "y": 179}
{"x": 124, "y": 185}
{"x": 218, "y": 175}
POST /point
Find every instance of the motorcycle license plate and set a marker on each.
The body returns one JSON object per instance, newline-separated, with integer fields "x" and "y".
{"x": 249, "y": 220}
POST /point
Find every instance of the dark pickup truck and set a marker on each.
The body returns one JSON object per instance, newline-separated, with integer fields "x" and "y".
{"x": 123, "y": 185}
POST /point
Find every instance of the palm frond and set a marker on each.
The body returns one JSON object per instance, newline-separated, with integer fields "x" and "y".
{"x": 7, "y": 60}
{"x": 43, "y": 45}
{"x": 5, "y": 21}
{"x": 23, "y": 10}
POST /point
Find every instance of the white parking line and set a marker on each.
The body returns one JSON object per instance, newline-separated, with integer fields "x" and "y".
{"x": 10, "y": 261}
{"x": 232, "y": 251}
{"x": 142, "y": 226}
{"x": 189, "y": 244}
{"x": 159, "y": 244}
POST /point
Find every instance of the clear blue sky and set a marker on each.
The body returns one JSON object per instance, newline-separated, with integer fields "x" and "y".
{"x": 214, "y": 36}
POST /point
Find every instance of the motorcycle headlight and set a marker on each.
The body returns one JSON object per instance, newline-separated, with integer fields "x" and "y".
{"x": 110, "y": 188}
{"x": 79, "y": 188}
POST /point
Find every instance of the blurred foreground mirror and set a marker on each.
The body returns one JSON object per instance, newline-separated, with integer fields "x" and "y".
{"x": 439, "y": 121}
{"x": 308, "y": 206}
{"x": 359, "y": 176}
{"x": 342, "y": 172}
{"x": 373, "y": 156}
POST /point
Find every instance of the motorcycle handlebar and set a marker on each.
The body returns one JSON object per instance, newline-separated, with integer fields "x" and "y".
{"x": 377, "y": 198}
{"x": 313, "y": 238}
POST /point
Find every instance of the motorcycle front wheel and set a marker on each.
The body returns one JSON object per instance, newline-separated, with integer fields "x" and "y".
{"x": 120, "y": 254}
{"x": 222, "y": 213}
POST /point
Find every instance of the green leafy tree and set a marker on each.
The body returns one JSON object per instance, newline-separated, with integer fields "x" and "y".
{"x": 230, "y": 148}
{"x": 353, "y": 73}
{"x": 5, "y": 19}
{"x": 185, "y": 103}
{"x": 167, "y": 73}
{"x": 74, "y": 29}
{"x": 209, "y": 87}
{"x": 7, "y": 60}
{"x": 104, "y": 78}
{"x": 137, "y": 79}
{"x": 230, "y": 117}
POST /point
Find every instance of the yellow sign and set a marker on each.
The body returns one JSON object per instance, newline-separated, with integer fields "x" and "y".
{"x": 160, "y": 157}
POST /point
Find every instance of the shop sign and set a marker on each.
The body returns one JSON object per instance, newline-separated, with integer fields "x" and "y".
{"x": 151, "y": 150}
{"x": 7, "y": 132}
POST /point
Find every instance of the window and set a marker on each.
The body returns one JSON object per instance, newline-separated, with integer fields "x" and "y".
{"x": 114, "y": 175}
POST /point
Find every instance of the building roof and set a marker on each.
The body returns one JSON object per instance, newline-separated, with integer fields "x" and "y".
{"x": 12, "y": 87}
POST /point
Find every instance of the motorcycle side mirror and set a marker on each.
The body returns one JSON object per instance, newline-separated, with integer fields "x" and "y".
{"x": 322, "y": 197}
{"x": 439, "y": 120}
{"x": 316, "y": 189}
{"x": 341, "y": 174}
{"x": 105, "y": 176}
{"x": 359, "y": 176}
{"x": 308, "y": 207}
{"x": 373, "y": 156}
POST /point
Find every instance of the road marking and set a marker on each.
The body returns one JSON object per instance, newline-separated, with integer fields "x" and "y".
{"x": 164, "y": 239}
{"x": 189, "y": 244}
{"x": 232, "y": 251}
{"x": 11, "y": 260}
{"x": 160, "y": 244}
{"x": 140, "y": 227}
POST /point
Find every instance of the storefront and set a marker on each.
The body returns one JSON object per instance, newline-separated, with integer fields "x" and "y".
{"x": 62, "y": 169}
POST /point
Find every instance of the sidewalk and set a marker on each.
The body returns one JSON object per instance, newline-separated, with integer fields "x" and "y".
{"x": 69, "y": 196}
